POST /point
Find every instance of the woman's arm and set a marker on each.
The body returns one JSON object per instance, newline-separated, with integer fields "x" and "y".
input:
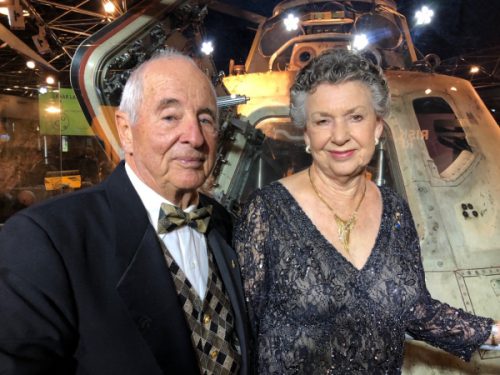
{"x": 441, "y": 325}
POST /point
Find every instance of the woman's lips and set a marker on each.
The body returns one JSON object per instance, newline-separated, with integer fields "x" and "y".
{"x": 340, "y": 155}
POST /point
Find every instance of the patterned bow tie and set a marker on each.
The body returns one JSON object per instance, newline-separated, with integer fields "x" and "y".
{"x": 172, "y": 217}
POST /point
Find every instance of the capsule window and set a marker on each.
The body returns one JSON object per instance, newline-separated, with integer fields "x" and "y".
{"x": 444, "y": 138}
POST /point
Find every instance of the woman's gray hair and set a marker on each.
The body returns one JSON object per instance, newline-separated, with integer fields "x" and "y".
{"x": 132, "y": 94}
{"x": 336, "y": 67}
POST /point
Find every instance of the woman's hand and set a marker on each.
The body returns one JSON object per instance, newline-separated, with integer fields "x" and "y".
{"x": 494, "y": 338}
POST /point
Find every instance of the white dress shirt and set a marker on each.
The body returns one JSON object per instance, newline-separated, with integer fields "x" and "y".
{"x": 187, "y": 246}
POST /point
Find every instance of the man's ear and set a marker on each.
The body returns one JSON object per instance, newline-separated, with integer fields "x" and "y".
{"x": 124, "y": 129}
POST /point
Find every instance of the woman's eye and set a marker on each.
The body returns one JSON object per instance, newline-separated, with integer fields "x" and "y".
{"x": 322, "y": 122}
{"x": 357, "y": 118}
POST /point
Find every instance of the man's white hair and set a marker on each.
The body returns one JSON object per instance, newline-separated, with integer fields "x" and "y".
{"x": 133, "y": 91}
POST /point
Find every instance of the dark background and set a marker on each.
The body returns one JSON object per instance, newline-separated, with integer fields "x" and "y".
{"x": 459, "y": 27}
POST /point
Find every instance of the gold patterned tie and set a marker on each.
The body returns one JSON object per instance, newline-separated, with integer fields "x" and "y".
{"x": 172, "y": 217}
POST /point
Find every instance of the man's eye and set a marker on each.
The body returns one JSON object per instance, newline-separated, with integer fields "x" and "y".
{"x": 209, "y": 124}
{"x": 357, "y": 118}
{"x": 169, "y": 118}
{"x": 206, "y": 121}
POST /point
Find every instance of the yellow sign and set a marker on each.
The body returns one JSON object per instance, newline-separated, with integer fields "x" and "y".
{"x": 61, "y": 114}
{"x": 59, "y": 182}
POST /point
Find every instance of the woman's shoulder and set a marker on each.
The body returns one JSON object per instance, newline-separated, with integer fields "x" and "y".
{"x": 392, "y": 197}
{"x": 267, "y": 193}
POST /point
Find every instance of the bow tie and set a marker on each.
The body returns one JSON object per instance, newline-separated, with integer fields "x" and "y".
{"x": 172, "y": 217}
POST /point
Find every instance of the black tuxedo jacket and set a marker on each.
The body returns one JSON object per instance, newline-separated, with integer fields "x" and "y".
{"x": 84, "y": 288}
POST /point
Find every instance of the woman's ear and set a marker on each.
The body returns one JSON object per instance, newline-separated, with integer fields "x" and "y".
{"x": 307, "y": 141}
{"x": 379, "y": 128}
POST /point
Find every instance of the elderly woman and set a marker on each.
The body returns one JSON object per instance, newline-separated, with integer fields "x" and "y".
{"x": 331, "y": 263}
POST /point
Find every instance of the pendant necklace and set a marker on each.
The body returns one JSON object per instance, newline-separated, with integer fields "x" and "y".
{"x": 344, "y": 227}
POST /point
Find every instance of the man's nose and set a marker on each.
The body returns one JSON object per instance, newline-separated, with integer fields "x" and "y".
{"x": 192, "y": 132}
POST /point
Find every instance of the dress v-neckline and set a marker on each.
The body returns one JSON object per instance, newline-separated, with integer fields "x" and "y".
{"x": 318, "y": 235}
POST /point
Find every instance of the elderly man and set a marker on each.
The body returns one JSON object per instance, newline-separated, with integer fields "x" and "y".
{"x": 135, "y": 275}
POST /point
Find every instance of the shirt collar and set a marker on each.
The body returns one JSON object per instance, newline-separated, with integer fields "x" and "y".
{"x": 150, "y": 199}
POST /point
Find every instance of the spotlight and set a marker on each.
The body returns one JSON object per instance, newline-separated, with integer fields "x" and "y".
{"x": 50, "y": 80}
{"x": 291, "y": 22}
{"x": 109, "y": 7}
{"x": 40, "y": 41}
{"x": 43, "y": 90}
{"x": 474, "y": 69}
{"x": 207, "y": 48}
{"x": 14, "y": 11}
{"x": 360, "y": 42}
{"x": 30, "y": 64}
{"x": 424, "y": 15}
{"x": 53, "y": 109}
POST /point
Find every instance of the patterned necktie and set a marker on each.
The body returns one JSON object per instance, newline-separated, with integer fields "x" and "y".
{"x": 172, "y": 217}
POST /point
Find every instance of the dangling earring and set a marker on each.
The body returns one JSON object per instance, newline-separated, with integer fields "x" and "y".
{"x": 376, "y": 141}
{"x": 308, "y": 149}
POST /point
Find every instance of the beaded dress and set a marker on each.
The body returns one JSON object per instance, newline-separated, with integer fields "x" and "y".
{"x": 313, "y": 312}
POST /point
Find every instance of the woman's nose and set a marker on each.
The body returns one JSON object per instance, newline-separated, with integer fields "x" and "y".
{"x": 339, "y": 132}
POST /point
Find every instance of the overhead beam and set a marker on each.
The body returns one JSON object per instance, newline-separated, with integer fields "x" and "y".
{"x": 41, "y": 22}
{"x": 72, "y": 8}
{"x": 70, "y": 31}
{"x": 68, "y": 12}
{"x": 17, "y": 44}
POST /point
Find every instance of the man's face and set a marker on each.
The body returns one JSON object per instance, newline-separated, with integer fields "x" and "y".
{"x": 172, "y": 145}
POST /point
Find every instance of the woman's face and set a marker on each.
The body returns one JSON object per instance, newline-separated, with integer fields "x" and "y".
{"x": 341, "y": 127}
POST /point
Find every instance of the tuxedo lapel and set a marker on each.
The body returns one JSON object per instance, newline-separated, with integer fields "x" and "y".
{"x": 146, "y": 286}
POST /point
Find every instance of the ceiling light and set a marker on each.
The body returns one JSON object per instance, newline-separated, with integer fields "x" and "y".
{"x": 424, "y": 15}
{"x": 40, "y": 41}
{"x": 50, "y": 80}
{"x": 207, "y": 48}
{"x": 109, "y": 7}
{"x": 360, "y": 42}
{"x": 14, "y": 11}
{"x": 474, "y": 69}
{"x": 428, "y": 91}
{"x": 291, "y": 22}
{"x": 30, "y": 64}
{"x": 53, "y": 109}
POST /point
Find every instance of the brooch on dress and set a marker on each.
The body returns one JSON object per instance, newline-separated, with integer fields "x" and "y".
{"x": 397, "y": 217}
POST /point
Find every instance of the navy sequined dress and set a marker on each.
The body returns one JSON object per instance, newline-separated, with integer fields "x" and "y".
{"x": 313, "y": 312}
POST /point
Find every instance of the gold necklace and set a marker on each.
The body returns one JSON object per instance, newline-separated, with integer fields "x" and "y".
{"x": 344, "y": 227}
